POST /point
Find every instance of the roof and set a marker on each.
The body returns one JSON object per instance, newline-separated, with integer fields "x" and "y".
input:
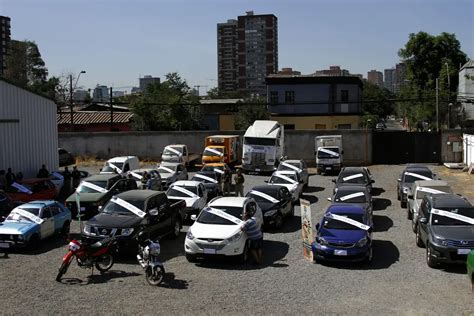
{"x": 215, "y": 164}
{"x": 353, "y": 169}
{"x": 292, "y": 161}
{"x": 469, "y": 64}
{"x": 121, "y": 158}
{"x": 223, "y": 136}
{"x": 102, "y": 177}
{"x": 449, "y": 201}
{"x": 25, "y": 89}
{"x": 345, "y": 209}
{"x": 414, "y": 166}
{"x": 138, "y": 194}
{"x": 311, "y": 79}
{"x": 229, "y": 201}
{"x": 221, "y": 101}
{"x": 285, "y": 172}
{"x": 263, "y": 129}
{"x": 431, "y": 183}
{"x": 94, "y": 117}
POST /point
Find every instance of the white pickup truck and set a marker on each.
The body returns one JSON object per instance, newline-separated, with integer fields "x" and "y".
{"x": 179, "y": 153}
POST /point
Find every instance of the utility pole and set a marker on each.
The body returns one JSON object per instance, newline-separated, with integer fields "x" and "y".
{"x": 70, "y": 103}
{"x": 111, "y": 111}
{"x": 437, "y": 104}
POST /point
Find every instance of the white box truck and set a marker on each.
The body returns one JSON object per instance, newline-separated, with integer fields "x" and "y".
{"x": 329, "y": 153}
{"x": 263, "y": 146}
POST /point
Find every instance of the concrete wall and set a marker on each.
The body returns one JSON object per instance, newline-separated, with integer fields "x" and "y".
{"x": 357, "y": 144}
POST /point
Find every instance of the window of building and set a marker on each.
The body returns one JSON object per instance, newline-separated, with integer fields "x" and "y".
{"x": 290, "y": 97}
{"x": 289, "y": 126}
{"x": 344, "y": 126}
{"x": 273, "y": 97}
{"x": 319, "y": 126}
{"x": 344, "y": 95}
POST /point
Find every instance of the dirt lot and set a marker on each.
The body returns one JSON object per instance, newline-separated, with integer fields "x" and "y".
{"x": 397, "y": 281}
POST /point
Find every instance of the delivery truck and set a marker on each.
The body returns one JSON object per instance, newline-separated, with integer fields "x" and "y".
{"x": 222, "y": 148}
{"x": 328, "y": 153}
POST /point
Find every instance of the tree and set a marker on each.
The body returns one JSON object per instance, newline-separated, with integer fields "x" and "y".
{"x": 251, "y": 109}
{"x": 216, "y": 93}
{"x": 376, "y": 101}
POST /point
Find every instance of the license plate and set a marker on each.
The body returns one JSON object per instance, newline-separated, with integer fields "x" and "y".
{"x": 83, "y": 208}
{"x": 4, "y": 245}
{"x": 257, "y": 170}
{"x": 328, "y": 168}
{"x": 463, "y": 251}
{"x": 340, "y": 252}
{"x": 209, "y": 251}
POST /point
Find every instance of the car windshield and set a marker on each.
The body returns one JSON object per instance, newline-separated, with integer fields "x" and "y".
{"x": 285, "y": 167}
{"x": 213, "y": 152}
{"x": 350, "y": 197}
{"x": 328, "y": 153}
{"x": 279, "y": 180}
{"x": 354, "y": 177}
{"x": 16, "y": 217}
{"x": 112, "y": 166}
{"x": 259, "y": 141}
{"x": 173, "y": 192}
{"x": 200, "y": 178}
{"x": 211, "y": 168}
{"x": 114, "y": 208}
{"x": 173, "y": 151}
{"x": 410, "y": 178}
{"x": 441, "y": 220}
{"x": 83, "y": 188}
{"x": 166, "y": 169}
{"x": 259, "y": 199}
{"x": 330, "y": 223}
{"x": 209, "y": 218}
{"x": 420, "y": 194}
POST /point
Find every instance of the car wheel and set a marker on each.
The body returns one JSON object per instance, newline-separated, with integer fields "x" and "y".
{"x": 278, "y": 221}
{"x": 244, "y": 256}
{"x": 398, "y": 196}
{"x": 370, "y": 256}
{"x": 66, "y": 228}
{"x": 413, "y": 225}
{"x": 34, "y": 241}
{"x": 409, "y": 216}
{"x": 191, "y": 258}
{"x": 430, "y": 261}
{"x": 419, "y": 241}
{"x": 176, "y": 228}
{"x": 403, "y": 204}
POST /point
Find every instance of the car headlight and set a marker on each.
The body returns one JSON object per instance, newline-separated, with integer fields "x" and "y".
{"x": 189, "y": 235}
{"x": 362, "y": 242}
{"x": 440, "y": 241}
{"x": 321, "y": 241}
{"x": 335, "y": 190}
{"x": 88, "y": 230}
{"x": 127, "y": 231}
{"x": 270, "y": 213}
{"x": 234, "y": 237}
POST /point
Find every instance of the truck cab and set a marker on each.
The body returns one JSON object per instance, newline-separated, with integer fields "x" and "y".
{"x": 178, "y": 153}
{"x": 222, "y": 148}
{"x": 120, "y": 165}
{"x": 328, "y": 153}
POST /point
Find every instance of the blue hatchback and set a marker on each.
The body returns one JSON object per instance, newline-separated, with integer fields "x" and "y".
{"x": 344, "y": 234}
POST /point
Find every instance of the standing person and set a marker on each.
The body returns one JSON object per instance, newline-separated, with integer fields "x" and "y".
{"x": 144, "y": 180}
{"x": 43, "y": 172}
{"x": 67, "y": 180}
{"x": 255, "y": 236}
{"x": 10, "y": 177}
{"x": 3, "y": 180}
{"x": 19, "y": 176}
{"x": 239, "y": 183}
{"x": 226, "y": 180}
{"x": 76, "y": 177}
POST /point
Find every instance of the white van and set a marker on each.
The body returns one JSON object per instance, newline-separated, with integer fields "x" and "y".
{"x": 120, "y": 165}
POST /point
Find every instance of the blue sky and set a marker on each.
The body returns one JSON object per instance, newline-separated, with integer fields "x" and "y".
{"x": 116, "y": 41}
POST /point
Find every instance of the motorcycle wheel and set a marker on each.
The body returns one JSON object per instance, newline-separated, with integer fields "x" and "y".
{"x": 154, "y": 278}
{"x": 104, "y": 262}
{"x": 62, "y": 270}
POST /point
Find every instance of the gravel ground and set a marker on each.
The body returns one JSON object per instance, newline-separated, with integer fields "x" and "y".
{"x": 398, "y": 281}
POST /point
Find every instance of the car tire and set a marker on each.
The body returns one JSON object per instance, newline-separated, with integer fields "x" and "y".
{"x": 409, "y": 216}
{"x": 278, "y": 221}
{"x": 191, "y": 258}
{"x": 419, "y": 241}
{"x": 34, "y": 241}
{"x": 66, "y": 228}
{"x": 413, "y": 225}
{"x": 398, "y": 196}
{"x": 403, "y": 204}
{"x": 370, "y": 256}
{"x": 430, "y": 261}
{"x": 176, "y": 228}
{"x": 244, "y": 256}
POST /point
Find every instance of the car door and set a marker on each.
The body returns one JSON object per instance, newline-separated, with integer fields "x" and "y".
{"x": 155, "y": 223}
{"x": 47, "y": 226}
{"x": 285, "y": 201}
{"x": 59, "y": 217}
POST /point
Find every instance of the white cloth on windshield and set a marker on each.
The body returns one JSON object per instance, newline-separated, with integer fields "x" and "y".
{"x": 327, "y": 151}
{"x": 183, "y": 190}
{"x": 200, "y": 176}
{"x": 132, "y": 208}
{"x": 166, "y": 169}
{"x": 348, "y": 221}
{"x": 212, "y": 150}
{"x": 354, "y": 176}
{"x": 21, "y": 188}
{"x": 416, "y": 175}
{"x": 110, "y": 164}
{"x": 285, "y": 178}
{"x": 452, "y": 215}
{"x": 219, "y": 171}
{"x": 224, "y": 215}
{"x": 136, "y": 175}
{"x": 93, "y": 187}
{"x": 351, "y": 196}
{"x": 173, "y": 150}
{"x": 28, "y": 215}
{"x": 58, "y": 175}
{"x": 265, "y": 196}
{"x": 291, "y": 166}
{"x": 430, "y": 190}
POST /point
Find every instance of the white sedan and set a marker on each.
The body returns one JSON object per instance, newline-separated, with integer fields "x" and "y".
{"x": 217, "y": 229}
{"x": 192, "y": 192}
{"x": 290, "y": 180}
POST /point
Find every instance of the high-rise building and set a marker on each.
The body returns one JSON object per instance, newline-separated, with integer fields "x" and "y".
{"x": 389, "y": 76}
{"x": 400, "y": 76}
{"x": 4, "y": 41}
{"x": 247, "y": 52}
{"x": 146, "y": 81}
{"x": 100, "y": 94}
{"x": 375, "y": 77}
{"x": 289, "y": 72}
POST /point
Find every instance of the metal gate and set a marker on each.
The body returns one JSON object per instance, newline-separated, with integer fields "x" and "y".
{"x": 399, "y": 147}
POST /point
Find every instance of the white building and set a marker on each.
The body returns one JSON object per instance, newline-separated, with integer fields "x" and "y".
{"x": 28, "y": 131}
{"x": 466, "y": 91}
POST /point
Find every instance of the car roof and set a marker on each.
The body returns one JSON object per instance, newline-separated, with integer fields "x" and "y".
{"x": 285, "y": 172}
{"x": 121, "y": 158}
{"x": 174, "y": 164}
{"x": 431, "y": 183}
{"x": 102, "y": 177}
{"x": 229, "y": 201}
{"x": 449, "y": 200}
{"x": 143, "y": 169}
{"x": 138, "y": 194}
{"x": 416, "y": 167}
{"x": 345, "y": 209}
{"x": 41, "y": 203}
{"x": 186, "y": 183}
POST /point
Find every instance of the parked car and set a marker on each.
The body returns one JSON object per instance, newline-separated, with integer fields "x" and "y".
{"x": 418, "y": 191}
{"x": 216, "y": 230}
{"x": 6, "y": 205}
{"x": 31, "y": 222}
{"x": 57, "y": 179}
{"x": 220, "y": 168}
{"x": 171, "y": 172}
{"x": 32, "y": 189}
{"x": 445, "y": 227}
{"x": 344, "y": 234}
{"x": 406, "y": 179}
{"x": 65, "y": 158}
{"x": 299, "y": 166}
{"x": 470, "y": 268}
{"x": 380, "y": 126}
{"x": 290, "y": 180}
{"x": 130, "y": 212}
{"x": 97, "y": 190}
{"x": 353, "y": 194}
{"x": 212, "y": 182}
{"x": 192, "y": 192}
{"x": 354, "y": 176}
{"x": 275, "y": 202}
{"x": 120, "y": 165}
{"x": 155, "y": 178}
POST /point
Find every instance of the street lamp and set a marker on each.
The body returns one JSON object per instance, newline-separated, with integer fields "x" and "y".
{"x": 71, "y": 90}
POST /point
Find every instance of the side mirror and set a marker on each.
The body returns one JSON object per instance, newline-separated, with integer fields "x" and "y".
{"x": 153, "y": 212}
{"x": 372, "y": 181}
{"x": 329, "y": 199}
{"x": 317, "y": 226}
{"x": 266, "y": 181}
{"x": 399, "y": 180}
{"x": 99, "y": 208}
{"x": 193, "y": 217}
{"x": 423, "y": 220}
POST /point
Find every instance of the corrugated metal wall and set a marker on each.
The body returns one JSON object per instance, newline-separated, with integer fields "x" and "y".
{"x": 28, "y": 131}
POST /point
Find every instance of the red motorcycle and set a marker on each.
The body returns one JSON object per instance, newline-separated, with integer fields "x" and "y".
{"x": 89, "y": 256}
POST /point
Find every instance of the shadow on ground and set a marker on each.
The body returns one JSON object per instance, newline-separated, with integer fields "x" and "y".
{"x": 377, "y": 191}
{"x": 98, "y": 278}
{"x": 382, "y": 223}
{"x": 380, "y": 204}
{"x": 290, "y": 225}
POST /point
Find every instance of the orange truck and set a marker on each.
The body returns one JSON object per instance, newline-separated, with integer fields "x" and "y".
{"x": 222, "y": 148}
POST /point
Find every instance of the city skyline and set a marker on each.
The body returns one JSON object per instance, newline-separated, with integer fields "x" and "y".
{"x": 180, "y": 36}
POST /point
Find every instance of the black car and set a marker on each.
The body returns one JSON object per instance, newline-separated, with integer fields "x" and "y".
{"x": 408, "y": 177}
{"x": 275, "y": 203}
{"x": 446, "y": 228}
{"x": 211, "y": 181}
{"x": 130, "y": 212}
{"x": 354, "y": 194}
{"x": 354, "y": 176}
{"x": 6, "y": 205}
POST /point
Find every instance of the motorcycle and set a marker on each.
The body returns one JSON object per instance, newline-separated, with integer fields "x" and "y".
{"x": 96, "y": 255}
{"x": 148, "y": 258}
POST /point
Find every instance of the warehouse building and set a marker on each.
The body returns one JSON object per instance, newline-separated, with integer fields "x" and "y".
{"x": 28, "y": 131}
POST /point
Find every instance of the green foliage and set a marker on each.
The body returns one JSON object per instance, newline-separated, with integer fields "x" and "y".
{"x": 170, "y": 105}
{"x": 376, "y": 100}
{"x": 215, "y": 93}
{"x": 250, "y": 110}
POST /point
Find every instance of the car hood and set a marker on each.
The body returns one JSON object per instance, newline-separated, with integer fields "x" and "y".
{"x": 86, "y": 197}
{"x": 342, "y": 235}
{"x": 16, "y": 227}
{"x": 210, "y": 231}
{"x": 267, "y": 206}
{"x": 453, "y": 232}
{"x": 114, "y": 221}
{"x": 190, "y": 201}
{"x": 290, "y": 187}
